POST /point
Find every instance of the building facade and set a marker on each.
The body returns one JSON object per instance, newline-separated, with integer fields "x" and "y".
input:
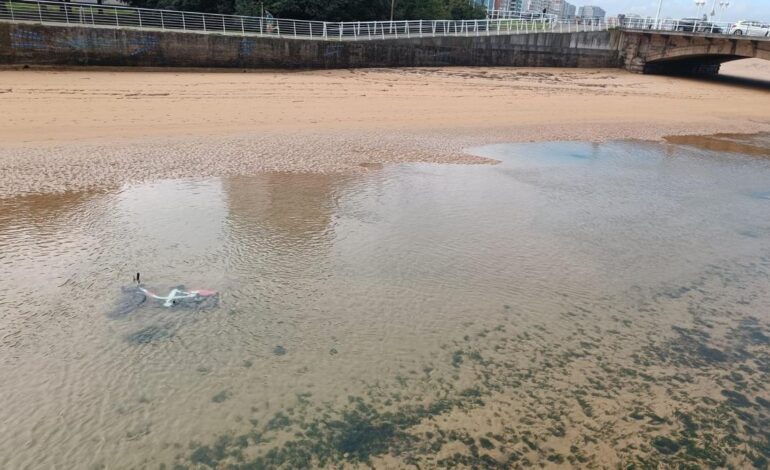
{"x": 502, "y": 8}
{"x": 591, "y": 12}
{"x": 491, "y": 5}
{"x": 562, "y": 9}
{"x": 537, "y": 6}
{"x": 514, "y": 6}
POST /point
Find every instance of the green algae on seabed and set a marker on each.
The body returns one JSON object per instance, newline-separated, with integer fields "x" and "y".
{"x": 222, "y": 396}
{"x": 704, "y": 431}
{"x": 150, "y": 334}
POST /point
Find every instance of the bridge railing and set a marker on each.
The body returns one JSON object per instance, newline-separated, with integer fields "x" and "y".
{"x": 689, "y": 26}
{"x": 112, "y": 16}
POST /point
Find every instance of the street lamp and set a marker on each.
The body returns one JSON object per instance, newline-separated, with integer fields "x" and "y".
{"x": 700, "y": 4}
{"x": 392, "y": 7}
{"x": 723, "y": 4}
{"x": 657, "y": 15}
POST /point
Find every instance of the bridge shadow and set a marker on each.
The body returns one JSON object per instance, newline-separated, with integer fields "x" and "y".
{"x": 707, "y": 68}
{"x": 738, "y": 81}
{"x": 734, "y": 81}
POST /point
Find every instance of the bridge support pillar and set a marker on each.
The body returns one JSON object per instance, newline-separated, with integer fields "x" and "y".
{"x": 630, "y": 50}
{"x": 677, "y": 53}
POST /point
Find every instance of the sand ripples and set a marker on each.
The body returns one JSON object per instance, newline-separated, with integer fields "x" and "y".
{"x": 331, "y": 282}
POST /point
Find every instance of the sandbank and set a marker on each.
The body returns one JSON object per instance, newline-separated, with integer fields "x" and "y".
{"x": 86, "y": 128}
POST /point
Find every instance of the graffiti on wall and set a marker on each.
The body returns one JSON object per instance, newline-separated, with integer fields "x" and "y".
{"x": 334, "y": 50}
{"x": 143, "y": 44}
{"x": 246, "y": 47}
{"x": 27, "y": 39}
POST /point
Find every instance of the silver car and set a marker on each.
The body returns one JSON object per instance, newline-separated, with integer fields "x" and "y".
{"x": 750, "y": 28}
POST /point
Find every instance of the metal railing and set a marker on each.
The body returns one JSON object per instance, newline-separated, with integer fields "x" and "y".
{"x": 510, "y": 14}
{"x": 111, "y": 16}
{"x": 696, "y": 26}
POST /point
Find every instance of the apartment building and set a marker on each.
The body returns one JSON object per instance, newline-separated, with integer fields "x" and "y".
{"x": 591, "y": 12}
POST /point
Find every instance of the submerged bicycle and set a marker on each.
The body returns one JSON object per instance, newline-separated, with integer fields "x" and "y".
{"x": 136, "y": 296}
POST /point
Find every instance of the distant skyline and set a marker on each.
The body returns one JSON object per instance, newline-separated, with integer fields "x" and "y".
{"x": 738, "y": 9}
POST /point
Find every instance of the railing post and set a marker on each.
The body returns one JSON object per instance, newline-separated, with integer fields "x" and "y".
{"x": 243, "y": 28}
{"x": 294, "y": 24}
{"x": 324, "y": 31}
{"x": 117, "y": 20}
{"x": 140, "y": 18}
{"x": 162, "y": 23}
{"x": 203, "y": 18}
{"x": 224, "y": 26}
{"x": 66, "y": 13}
{"x": 184, "y": 24}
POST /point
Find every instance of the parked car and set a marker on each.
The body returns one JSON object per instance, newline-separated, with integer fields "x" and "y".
{"x": 709, "y": 27}
{"x": 697, "y": 25}
{"x": 687, "y": 24}
{"x": 750, "y": 28}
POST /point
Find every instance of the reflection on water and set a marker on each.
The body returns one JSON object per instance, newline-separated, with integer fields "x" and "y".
{"x": 758, "y": 145}
{"x": 579, "y": 303}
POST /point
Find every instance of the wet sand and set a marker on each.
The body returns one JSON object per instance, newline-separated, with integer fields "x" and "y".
{"x": 592, "y": 305}
{"x": 81, "y": 129}
{"x": 573, "y": 336}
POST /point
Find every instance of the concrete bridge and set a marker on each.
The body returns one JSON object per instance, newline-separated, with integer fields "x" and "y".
{"x": 678, "y": 53}
{"x": 44, "y": 33}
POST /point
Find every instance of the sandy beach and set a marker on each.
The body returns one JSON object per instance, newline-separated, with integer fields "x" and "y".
{"x": 583, "y": 304}
{"x": 81, "y": 128}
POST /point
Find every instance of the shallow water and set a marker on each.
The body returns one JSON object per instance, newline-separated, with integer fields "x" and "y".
{"x": 474, "y": 315}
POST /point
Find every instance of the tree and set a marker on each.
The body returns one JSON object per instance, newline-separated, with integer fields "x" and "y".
{"x": 203, "y": 6}
{"x": 247, "y": 8}
{"x": 328, "y": 10}
{"x": 462, "y": 10}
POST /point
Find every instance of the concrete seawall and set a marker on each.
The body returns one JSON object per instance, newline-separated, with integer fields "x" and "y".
{"x": 31, "y": 44}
